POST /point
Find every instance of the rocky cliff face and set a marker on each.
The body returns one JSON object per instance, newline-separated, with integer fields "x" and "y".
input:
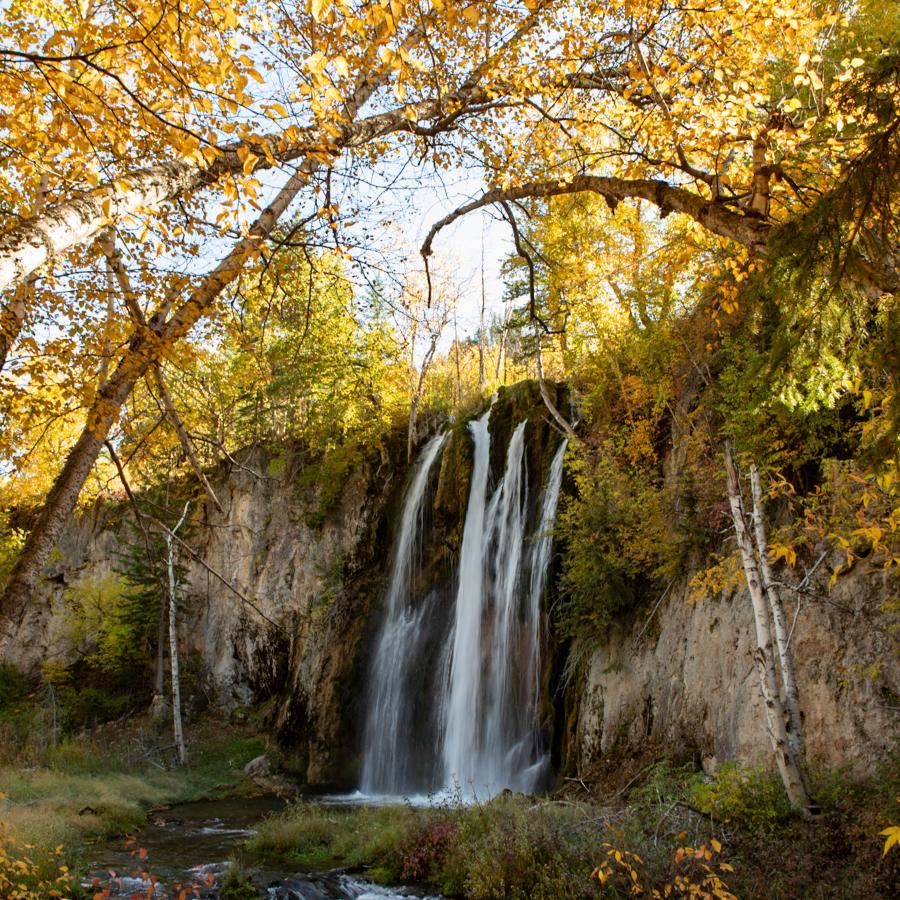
{"x": 684, "y": 680}
{"x": 276, "y": 598}
{"x": 282, "y": 600}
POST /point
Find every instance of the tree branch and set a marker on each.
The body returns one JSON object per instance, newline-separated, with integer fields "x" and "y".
{"x": 747, "y": 230}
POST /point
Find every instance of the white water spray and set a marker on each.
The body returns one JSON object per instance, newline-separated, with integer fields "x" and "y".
{"x": 462, "y": 698}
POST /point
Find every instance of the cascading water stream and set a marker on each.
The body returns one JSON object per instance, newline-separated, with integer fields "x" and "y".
{"x": 456, "y": 677}
{"x": 487, "y": 764}
{"x": 386, "y": 760}
{"x": 541, "y": 551}
{"x": 461, "y": 699}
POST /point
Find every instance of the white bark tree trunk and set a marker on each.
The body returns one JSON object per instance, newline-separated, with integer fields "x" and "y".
{"x": 759, "y": 199}
{"x": 12, "y": 316}
{"x": 177, "y": 726}
{"x": 796, "y": 736}
{"x": 763, "y": 656}
{"x": 501, "y": 353}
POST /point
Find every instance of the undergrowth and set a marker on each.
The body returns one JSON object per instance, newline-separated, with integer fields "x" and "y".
{"x": 509, "y": 847}
{"x": 674, "y": 831}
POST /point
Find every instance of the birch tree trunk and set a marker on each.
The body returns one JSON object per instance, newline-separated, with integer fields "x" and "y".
{"x": 763, "y": 656}
{"x": 177, "y": 727}
{"x": 458, "y": 387}
{"x": 796, "y": 736}
{"x": 545, "y": 394}
{"x": 12, "y": 316}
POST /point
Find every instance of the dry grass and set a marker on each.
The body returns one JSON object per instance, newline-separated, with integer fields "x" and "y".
{"x": 86, "y": 790}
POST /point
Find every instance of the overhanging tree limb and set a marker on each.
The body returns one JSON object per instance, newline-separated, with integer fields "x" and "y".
{"x": 41, "y": 238}
{"x": 750, "y": 231}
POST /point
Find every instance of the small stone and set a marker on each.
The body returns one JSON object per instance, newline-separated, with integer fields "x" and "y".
{"x": 258, "y": 767}
{"x": 159, "y": 708}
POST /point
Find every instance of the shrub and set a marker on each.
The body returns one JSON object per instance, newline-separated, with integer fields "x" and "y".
{"x": 695, "y": 874}
{"x": 426, "y": 852}
{"x": 28, "y": 873}
{"x": 749, "y": 798}
{"x": 237, "y": 885}
{"x": 665, "y": 782}
{"x": 513, "y": 847}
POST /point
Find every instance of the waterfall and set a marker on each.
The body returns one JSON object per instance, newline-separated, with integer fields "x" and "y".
{"x": 455, "y": 684}
{"x": 493, "y": 693}
{"x": 387, "y": 759}
{"x": 463, "y": 703}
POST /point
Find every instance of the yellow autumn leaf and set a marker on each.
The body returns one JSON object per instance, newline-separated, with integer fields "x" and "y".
{"x": 783, "y": 551}
{"x": 316, "y": 62}
{"x": 319, "y": 9}
{"x": 892, "y": 835}
{"x": 341, "y": 66}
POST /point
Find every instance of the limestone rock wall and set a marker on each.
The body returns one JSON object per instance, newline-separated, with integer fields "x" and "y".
{"x": 689, "y": 683}
{"x": 275, "y": 600}
{"x": 282, "y": 600}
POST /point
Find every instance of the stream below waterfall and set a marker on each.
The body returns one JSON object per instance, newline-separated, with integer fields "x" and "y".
{"x": 192, "y": 846}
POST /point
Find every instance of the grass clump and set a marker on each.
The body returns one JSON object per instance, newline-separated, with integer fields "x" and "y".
{"x": 509, "y": 847}
{"x": 237, "y": 885}
{"x": 517, "y": 848}
{"x": 82, "y": 790}
{"x": 314, "y": 835}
